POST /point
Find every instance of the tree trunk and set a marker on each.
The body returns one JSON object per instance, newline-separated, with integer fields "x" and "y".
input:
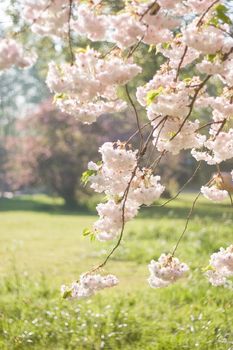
{"x": 70, "y": 202}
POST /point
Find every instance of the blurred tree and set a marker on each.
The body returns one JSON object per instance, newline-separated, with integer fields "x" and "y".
{"x": 53, "y": 149}
{"x": 56, "y": 150}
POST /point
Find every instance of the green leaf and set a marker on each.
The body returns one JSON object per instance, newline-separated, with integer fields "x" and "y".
{"x": 152, "y": 94}
{"x": 118, "y": 199}
{"x": 60, "y": 96}
{"x": 92, "y": 237}
{"x": 87, "y": 232}
{"x": 86, "y": 176}
{"x": 220, "y": 8}
{"x": 66, "y": 294}
{"x": 172, "y": 133}
{"x": 207, "y": 268}
{"x": 211, "y": 57}
{"x": 187, "y": 80}
{"x": 214, "y": 21}
{"x": 166, "y": 45}
{"x": 224, "y": 18}
{"x": 151, "y": 48}
{"x": 221, "y": 11}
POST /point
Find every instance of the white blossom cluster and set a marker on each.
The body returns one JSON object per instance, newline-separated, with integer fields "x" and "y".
{"x": 88, "y": 285}
{"x": 205, "y": 39}
{"x": 186, "y": 138}
{"x": 218, "y": 149}
{"x": 46, "y": 17}
{"x": 151, "y": 29}
{"x": 165, "y": 271}
{"x": 88, "y": 88}
{"x": 174, "y": 51}
{"x": 13, "y": 54}
{"x": 214, "y": 193}
{"x": 171, "y": 100}
{"x": 112, "y": 177}
{"x": 221, "y": 266}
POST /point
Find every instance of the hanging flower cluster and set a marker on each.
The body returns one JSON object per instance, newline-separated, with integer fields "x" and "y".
{"x": 88, "y": 285}
{"x": 165, "y": 271}
{"x": 88, "y": 88}
{"x": 125, "y": 193}
{"x": 194, "y": 38}
{"x": 221, "y": 266}
{"x": 213, "y": 193}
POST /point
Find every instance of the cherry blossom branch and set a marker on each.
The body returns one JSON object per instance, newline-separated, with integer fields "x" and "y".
{"x": 220, "y": 128}
{"x": 221, "y": 29}
{"x": 125, "y": 197}
{"x": 209, "y": 124}
{"x": 156, "y": 9}
{"x": 186, "y": 224}
{"x": 157, "y": 160}
{"x": 150, "y": 135}
{"x": 109, "y": 51}
{"x": 205, "y": 13}
{"x": 188, "y": 219}
{"x": 157, "y": 139}
{"x": 89, "y": 91}
{"x": 191, "y": 106}
{"x": 136, "y": 115}
{"x": 181, "y": 62}
{"x": 182, "y": 188}
{"x": 142, "y": 127}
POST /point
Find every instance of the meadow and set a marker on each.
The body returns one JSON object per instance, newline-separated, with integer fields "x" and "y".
{"x": 42, "y": 247}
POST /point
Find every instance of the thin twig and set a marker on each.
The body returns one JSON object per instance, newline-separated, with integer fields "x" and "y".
{"x": 181, "y": 189}
{"x": 181, "y": 62}
{"x": 157, "y": 160}
{"x": 186, "y": 224}
{"x": 69, "y": 32}
{"x": 109, "y": 51}
{"x": 136, "y": 115}
{"x": 124, "y": 199}
{"x": 209, "y": 124}
{"x": 200, "y": 86}
{"x": 142, "y": 127}
{"x": 123, "y": 222}
{"x": 134, "y": 47}
{"x": 157, "y": 138}
{"x": 220, "y": 128}
{"x": 150, "y": 8}
{"x": 222, "y": 30}
{"x": 205, "y": 13}
{"x": 188, "y": 219}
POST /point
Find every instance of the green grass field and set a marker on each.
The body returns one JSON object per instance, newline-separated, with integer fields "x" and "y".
{"x": 42, "y": 247}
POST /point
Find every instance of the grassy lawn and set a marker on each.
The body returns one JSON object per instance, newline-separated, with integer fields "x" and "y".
{"x": 41, "y": 247}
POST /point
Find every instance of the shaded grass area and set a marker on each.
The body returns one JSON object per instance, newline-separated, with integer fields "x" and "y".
{"x": 42, "y": 247}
